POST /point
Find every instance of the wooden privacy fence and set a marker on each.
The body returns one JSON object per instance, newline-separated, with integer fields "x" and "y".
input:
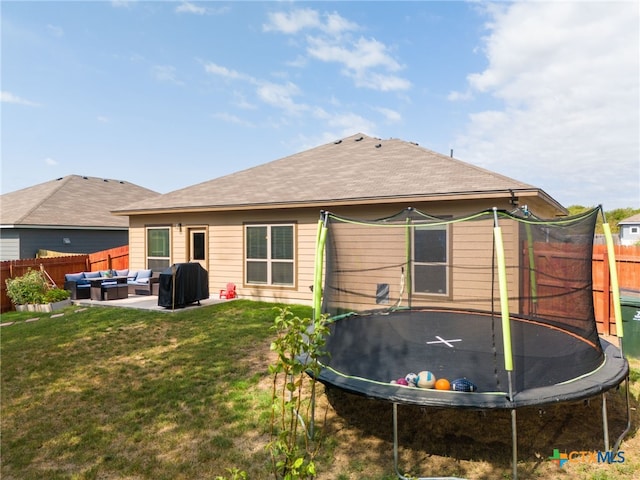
{"x": 628, "y": 270}
{"x": 56, "y": 267}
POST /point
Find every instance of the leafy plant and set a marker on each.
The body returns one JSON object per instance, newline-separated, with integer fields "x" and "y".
{"x": 235, "y": 473}
{"x": 56, "y": 295}
{"x": 28, "y": 288}
{"x": 299, "y": 345}
{"x": 32, "y": 287}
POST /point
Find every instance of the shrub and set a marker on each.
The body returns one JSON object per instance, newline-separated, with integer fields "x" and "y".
{"x": 56, "y": 295}
{"x": 32, "y": 287}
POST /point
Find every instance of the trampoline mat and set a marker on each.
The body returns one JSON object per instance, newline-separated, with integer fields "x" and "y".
{"x": 367, "y": 352}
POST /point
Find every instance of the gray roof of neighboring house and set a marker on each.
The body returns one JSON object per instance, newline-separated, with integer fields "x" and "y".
{"x": 355, "y": 169}
{"x": 71, "y": 201}
{"x": 633, "y": 219}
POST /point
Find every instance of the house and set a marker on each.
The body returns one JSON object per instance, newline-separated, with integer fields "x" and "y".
{"x": 630, "y": 230}
{"x": 68, "y": 215}
{"x": 257, "y": 228}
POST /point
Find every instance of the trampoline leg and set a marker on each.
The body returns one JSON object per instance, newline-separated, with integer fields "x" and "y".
{"x": 395, "y": 453}
{"x": 514, "y": 444}
{"x": 628, "y": 427}
{"x": 395, "y": 439}
{"x": 605, "y": 422}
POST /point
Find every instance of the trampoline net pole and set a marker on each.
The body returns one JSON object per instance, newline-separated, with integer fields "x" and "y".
{"x": 319, "y": 261}
{"x": 613, "y": 273}
{"x": 504, "y": 299}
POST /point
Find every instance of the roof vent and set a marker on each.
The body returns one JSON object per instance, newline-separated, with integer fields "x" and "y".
{"x": 338, "y": 142}
{"x": 58, "y": 179}
{"x": 86, "y": 178}
{"x": 378, "y": 145}
{"x": 105, "y": 180}
{"x": 358, "y": 139}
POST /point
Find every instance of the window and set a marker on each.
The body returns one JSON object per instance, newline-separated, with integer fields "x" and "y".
{"x": 635, "y": 230}
{"x": 198, "y": 246}
{"x": 269, "y": 254}
{"x": 158, "y": 248}
{"x": 430, "y": 260}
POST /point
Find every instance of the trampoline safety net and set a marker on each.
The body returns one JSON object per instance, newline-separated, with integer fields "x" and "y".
{"x": 477, "y": 266}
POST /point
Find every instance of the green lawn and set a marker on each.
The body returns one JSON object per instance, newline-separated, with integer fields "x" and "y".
{"x": 120, "y": 393}
{"x": 111, "y": 393}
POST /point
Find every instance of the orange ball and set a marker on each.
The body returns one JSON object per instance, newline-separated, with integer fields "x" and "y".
{"x": 443, "y": 384}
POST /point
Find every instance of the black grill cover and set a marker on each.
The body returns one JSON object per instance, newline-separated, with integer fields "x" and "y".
{"x": 182, "y": 284}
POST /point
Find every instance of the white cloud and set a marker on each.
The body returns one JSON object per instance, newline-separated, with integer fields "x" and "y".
{"x": 454, "y": 96}
{"x": 360, "y": 59}
{"x": 241, "y": 101}
{"x": 391, "y": 116}
{"x": 567, "y": 76}
{"x": 102, "y": 119}
{"x": 55, "y": 31}
{"x": 224, "y": 72}
{"x": 292, "y": 22}
{"x": 281, "y": 96}
{"x": 230, "y": 118}
{"x": 8, "y": 97}
{"x": 307, "y": 18}
{"x": 192, "y": 8}
{"x": 122, "y": 3}
{"x": 50, "y": 162}
{"x": 350, "y": 123}
{"x": 366, "y": 61}
{"x": 166, "y": 73}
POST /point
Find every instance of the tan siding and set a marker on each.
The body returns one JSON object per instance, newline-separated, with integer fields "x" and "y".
{"x": 226, "y": 257}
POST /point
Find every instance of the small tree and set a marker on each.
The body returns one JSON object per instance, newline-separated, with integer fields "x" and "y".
{"x": 299, "y": 345}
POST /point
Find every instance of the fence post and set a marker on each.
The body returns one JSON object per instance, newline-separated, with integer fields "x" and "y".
{"x": 606, "y": 296}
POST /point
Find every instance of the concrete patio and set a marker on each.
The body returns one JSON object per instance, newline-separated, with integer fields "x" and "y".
{"x": 144, "y": 302}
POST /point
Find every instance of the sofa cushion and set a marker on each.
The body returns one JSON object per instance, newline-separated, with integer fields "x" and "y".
{"x": 122, "y": 273}
{"x": 143, "y": 274}
{"x": 92, "y": 274}
{"x": 73, "y": 277}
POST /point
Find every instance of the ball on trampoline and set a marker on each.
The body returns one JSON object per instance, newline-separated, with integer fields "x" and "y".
{"x": 411, "y": 378}
{"x": 426, "y": 379}
{"x": 443, "y": 384}
{"x": 402, "y": 381}
{"x": 463, "y": 385}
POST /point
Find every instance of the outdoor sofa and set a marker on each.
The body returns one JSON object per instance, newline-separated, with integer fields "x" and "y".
{"x": 143, "y": 282}
{"x": 78, "y": 284}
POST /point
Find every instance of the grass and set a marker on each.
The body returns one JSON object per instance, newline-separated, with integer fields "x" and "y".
{"x": 111, "y": 393}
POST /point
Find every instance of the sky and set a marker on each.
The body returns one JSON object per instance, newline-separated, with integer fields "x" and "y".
{"x": 169, "y": 94}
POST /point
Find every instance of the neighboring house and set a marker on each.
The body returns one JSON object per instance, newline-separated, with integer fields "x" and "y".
{"x": 257, "y": 227}
{"x": 630, "y": 230}
{"x": 68, "y": 215}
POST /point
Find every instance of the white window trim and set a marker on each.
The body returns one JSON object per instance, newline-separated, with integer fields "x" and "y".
{"x": 270, "y": 261}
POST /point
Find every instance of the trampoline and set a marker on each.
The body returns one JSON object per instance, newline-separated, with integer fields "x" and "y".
{"x": 501, "y": 299}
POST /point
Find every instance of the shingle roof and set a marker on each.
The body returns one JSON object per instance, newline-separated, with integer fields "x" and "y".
{"x": 352, "y": 169}
{"x": 71, "y": 201}
{"x": 632, "y": 219}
